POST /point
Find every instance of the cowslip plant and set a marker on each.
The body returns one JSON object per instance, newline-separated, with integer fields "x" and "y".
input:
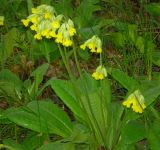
{"x": 100, "y": 123}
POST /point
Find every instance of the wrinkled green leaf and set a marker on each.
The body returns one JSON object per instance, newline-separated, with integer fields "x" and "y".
{"x": 154, "y": 135}
{"x": 57, "y": 146}
{"x": 153, "y": 9}
{"x": 13, "y": 144}
{"x": 41, "y": 116}
{"x": 65, "y": 91}
{"x": 133, "y": 131}
{"x": 127, "y": 82}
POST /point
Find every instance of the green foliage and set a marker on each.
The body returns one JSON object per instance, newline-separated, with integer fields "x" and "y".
{"x": 154, "y": 135}
{"x": 92, "y": 115}
{"x": 43, "y": 117}
{"x": 153, "y": 9}
{"x": 64, "y": 90}
{"x": 8, "y": 44}
{"x": 133, "y": 132}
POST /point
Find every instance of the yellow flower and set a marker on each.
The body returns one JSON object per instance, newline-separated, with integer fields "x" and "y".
{"x": 34, "y": 20}
{"x": 135, "y": 101}
{"x": 25, "y": 22}
{"x": 83, "y": 46}
{"x": 59, "y": 38}
{"x": 53, "y": 34}
{"x": 45, "y": 32}
{"x": 72, "y": 31}
{"x": 91, "y": 45}
{"x": 34, "y": 10}
{"x": 67, "y": 42}
{"x": 56, "y": 24}
{"x": 38, "y": 36}
{"x": 33, "y": 27}
{"x": 47, "y": 15}
{"x": 100, "y": 73}
{"x": 94, "y": 44}
{"x": 99, "y": 50}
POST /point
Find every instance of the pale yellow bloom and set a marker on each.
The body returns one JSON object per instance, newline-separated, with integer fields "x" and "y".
{"x": 38, "y": 36}
{"x": 135, "y": 101}
{"x": 100, "y": 73}
{"x": 33, "y": 27}
{"x": 53, "y": 34}
{"x": 56, "y": 24}
{"x": 72, "y": 31}
{"x": 25, "y": 22}
{"x": 67, "y": 42}
{"x": 34, "y": 10}
{"x": 34, "y": 20}
{"x": 94, "y": 44}
{"x": 47, "y": 15}
{"x": 83, "y": 46}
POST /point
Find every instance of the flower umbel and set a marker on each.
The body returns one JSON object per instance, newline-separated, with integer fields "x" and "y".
{"x": 135, "y": 101}
{"x": 100, "y": 73}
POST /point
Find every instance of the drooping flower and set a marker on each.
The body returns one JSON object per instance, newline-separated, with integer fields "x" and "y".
{"x": 47, "y": 25}
{"x": 25, "y": 22}
{"x": 100, "y": 73}
{"x": 94, "y": 44}
{"x": 135, "y": 101}
{"x": 65, "y": 32}
{"x": 41, "y": 21}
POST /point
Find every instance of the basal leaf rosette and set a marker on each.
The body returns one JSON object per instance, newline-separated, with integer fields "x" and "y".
{"x": 135, "y": 101}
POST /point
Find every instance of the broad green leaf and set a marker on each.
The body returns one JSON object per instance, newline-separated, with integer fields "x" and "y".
{"x": 96, "y": 111}
{"x": 156, "y": 58}
{"x": 57, "y": 146}
{"x": 64, "y": 6}
{"x": 140, "y": 44}
{"x": 127, "y": 82}
{"x": 3, "y": 118}
{"x": 153, "y": 9}
{"x": 41, "y": 116}
{"x": 30, "y": 6}
{"x": 8, "y": 44}
{"x": 13, "y": 144}
{"x": 88, "y": 32}
{"x": 64, "y": 90}
{"x": 106, "y": 90}
{"x": 118, "y": 39}
{"x": 1, "y": 20}
{"x": 133, "y": 131}
{"x": 33, "y": 141}
{"x": 87, "y": 83}
{"x": 83, "y": 54}
{"x": 10, "y": 85}
{"x": 151, "y": 94}
{"x": 49, "y": 50}
{"x": 132, "y": 29}
{"x": 48, "y": 2}
{"x": 84, "y": 13}
{"x": 8, "y": 76}
{"x": 154, "y": 135}
{"x": 38, "y": 77}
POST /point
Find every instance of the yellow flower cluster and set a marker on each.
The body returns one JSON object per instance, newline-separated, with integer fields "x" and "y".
{"x": 94, "y": 44}
{"x": 135, "y": 101}
{"x": 100, "y": 73}
{"x": 45, "y": 23}
{"x": 65, "y": 32}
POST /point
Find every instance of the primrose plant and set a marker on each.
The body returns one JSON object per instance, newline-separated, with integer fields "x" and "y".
{"x": 99, "y": 122}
